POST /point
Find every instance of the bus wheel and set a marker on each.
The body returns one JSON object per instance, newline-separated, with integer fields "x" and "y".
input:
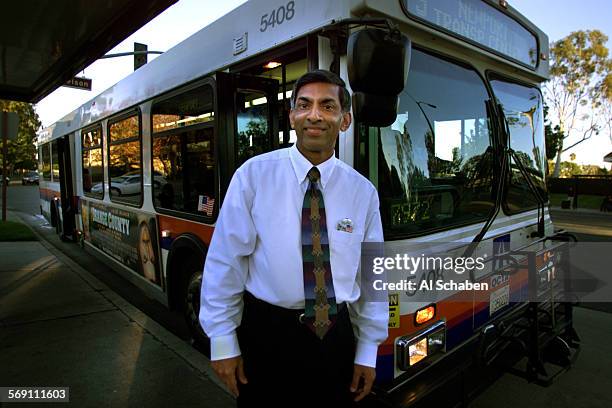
{"x": 191, "y": 309}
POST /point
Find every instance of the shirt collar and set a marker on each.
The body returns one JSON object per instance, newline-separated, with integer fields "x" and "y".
{"x": 301, "y": 166}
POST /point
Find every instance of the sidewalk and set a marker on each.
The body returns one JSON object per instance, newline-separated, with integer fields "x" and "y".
{"x": 60, "y": 326}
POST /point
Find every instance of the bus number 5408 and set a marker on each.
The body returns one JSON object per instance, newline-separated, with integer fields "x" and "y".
{"x": 278, "y": 16}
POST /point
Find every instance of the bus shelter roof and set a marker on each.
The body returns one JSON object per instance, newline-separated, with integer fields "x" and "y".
{"x": 44, "y": 43}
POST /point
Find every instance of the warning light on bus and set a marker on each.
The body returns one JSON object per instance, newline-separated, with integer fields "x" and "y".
{"x": 424, "y": 315}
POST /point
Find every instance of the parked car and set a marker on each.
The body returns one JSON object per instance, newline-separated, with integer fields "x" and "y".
{"x": 30, "y": 177}
{"x": 128, "y": 184}
{"x": 125, "y": 185}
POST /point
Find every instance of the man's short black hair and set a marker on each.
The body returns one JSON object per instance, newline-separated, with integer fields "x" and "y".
{"x": 321, "y": 75}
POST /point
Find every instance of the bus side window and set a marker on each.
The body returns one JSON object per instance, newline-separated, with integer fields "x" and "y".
{"x": 46, "y": 162}
{"x": 91, "y": 160}
{"x": 184, "y": 164}
{"x": 125, "y": 161}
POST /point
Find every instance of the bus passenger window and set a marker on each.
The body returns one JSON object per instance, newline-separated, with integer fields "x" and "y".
{"x": 183, "y": 153}
{"x": 54, "y": 162}
{"x": 46, "y": 162}
{"x": 92, "y": 165}
{"x": 124, "y": 161}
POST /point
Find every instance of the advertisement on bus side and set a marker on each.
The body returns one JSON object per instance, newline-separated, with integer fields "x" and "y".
{"x": 128, "y": 237}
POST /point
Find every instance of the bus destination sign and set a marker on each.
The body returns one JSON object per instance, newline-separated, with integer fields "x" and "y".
{"x": 481, "y": 23}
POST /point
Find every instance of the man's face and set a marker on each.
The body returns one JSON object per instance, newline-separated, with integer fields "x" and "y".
{"x": 317, "y": 118}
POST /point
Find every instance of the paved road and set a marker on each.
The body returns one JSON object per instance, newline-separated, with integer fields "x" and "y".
{"x": 23, "y": 198}
{"x": 589, "y": 226}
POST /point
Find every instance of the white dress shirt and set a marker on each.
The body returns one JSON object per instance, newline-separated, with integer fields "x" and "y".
{"x": 256, "y": 246}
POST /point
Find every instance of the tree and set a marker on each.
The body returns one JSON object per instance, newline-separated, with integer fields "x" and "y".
{"x": 580, "y": 84}
{"x": 569, "y": 169}
{"x": 22, "y": 151}
{"x": 552, "y": 135}
{"x": 591, "y": 169}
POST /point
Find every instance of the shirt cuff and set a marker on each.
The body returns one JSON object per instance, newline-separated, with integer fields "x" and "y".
{"x": 366, "y": 353}
{"x": 222, "y": 347}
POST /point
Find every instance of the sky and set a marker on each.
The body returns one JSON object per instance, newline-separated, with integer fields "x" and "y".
{"x": 556, "y": 18}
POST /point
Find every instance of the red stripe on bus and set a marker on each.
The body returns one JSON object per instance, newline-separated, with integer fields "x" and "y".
{"x": 177, "y": 226}
{"x": 48, "y": 194}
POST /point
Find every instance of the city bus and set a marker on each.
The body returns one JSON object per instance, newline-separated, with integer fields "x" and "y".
{"x": 448, "y": 126}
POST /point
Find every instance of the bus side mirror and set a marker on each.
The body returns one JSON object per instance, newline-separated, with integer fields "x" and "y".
{"x": 378, "y": 62}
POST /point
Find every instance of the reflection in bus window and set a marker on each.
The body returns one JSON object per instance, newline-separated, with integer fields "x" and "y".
{"x": 91, "y": 156}
{"x": 124, "y": 161}
{"x": 435, "y": 164}
{"x": 46, "y": 162}
{"x": 252, "y": 125}
{"x": 183, "y": 153}
{"x": 189, "y": 108}
{"x": 524, "y": 113}
{"x": 185, "y": 171}
{"x": 54, "y": 161}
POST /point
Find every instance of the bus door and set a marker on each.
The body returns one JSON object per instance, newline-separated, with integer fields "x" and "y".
{"x": 66, "y": 187}
{"x": 248, "y": 120}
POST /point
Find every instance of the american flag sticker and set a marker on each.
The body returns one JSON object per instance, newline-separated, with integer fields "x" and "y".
{"x": 206, "y": 205}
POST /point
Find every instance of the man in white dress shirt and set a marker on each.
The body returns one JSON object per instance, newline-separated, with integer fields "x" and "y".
{"x": 253, "y": 291}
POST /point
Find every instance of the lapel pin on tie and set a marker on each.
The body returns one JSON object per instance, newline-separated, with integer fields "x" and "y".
{"x": 345, "y": 225}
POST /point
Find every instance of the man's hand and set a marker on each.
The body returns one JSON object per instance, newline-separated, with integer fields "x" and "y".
{"x": 363, "y": 378}
{"x": 228, "y": 370}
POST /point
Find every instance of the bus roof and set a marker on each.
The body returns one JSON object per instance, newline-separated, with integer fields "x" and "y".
{"x": 198, "y": 55}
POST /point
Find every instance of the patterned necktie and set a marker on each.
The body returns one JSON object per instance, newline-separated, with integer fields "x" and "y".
{"x": 320, "y": 300}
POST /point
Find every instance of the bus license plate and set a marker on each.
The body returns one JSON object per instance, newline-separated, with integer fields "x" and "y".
{"x": 499, "y": 299}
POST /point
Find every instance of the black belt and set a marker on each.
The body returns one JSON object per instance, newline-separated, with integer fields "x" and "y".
{"x": 282, "y": 312}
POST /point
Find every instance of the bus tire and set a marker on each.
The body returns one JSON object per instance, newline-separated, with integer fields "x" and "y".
{"x": 191, "y": 305}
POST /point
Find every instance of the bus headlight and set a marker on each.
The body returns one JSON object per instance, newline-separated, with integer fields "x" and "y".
{"x": 417, "y": 351}
{"x": 423, "y": 346}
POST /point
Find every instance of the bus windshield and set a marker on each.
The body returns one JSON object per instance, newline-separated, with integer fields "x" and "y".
{"x": 435, "y": 163}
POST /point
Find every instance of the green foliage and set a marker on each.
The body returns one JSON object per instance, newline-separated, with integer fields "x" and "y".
{"x": 15, "y": 231}
{"x": 22, "y": 151}
{"x": 569, "y": 169}
{"x": 587, "y": 201}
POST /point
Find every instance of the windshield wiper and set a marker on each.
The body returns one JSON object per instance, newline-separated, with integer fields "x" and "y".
{"x": 499, "y": 193}
{"x": 528, "y": 178}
